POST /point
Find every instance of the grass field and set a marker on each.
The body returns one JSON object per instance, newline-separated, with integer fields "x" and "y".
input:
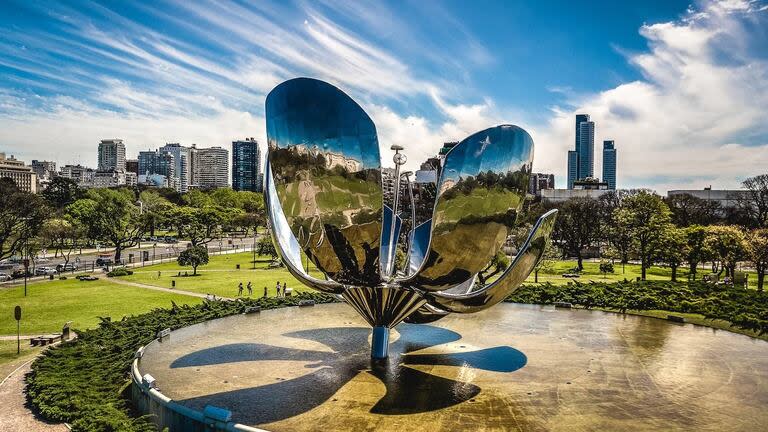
{"x": 629, "y": 271}
{"x": 49, "y": 305}
{"x": 220, "y": 277}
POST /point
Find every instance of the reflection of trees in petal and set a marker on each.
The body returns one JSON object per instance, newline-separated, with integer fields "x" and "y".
{"x": 408, "y": 390}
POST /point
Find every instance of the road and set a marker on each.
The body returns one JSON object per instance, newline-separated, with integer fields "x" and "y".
{"x": 156, "y": 252}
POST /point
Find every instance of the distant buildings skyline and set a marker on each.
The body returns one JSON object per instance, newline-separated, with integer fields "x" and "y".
{"x": 581, "y": 161}
{"x": 246, "y": 165}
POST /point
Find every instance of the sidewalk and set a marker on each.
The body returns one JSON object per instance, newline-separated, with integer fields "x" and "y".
{"x": 157, "y": 288}
{"x": 15, "y": 414}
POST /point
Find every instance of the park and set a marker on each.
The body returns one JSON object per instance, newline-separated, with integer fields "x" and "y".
{"x": 123, "y": 305}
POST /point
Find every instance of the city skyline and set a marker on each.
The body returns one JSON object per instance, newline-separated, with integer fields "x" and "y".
{"x": 669, "y": 81}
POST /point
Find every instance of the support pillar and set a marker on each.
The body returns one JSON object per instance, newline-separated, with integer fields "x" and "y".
{"x": 380, "y": 342}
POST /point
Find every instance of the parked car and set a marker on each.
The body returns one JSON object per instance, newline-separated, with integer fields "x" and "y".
{"x": 19, "y": 273}
{"x": 101, "y": 261}
{"x": 5, "y": 277}
{"x": 169, "y": 239}
{"x": 45, "y": 271}
{"x": 66, "y": 267}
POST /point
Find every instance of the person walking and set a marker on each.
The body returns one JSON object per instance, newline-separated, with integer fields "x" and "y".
{"x": 250, "y": 289}
{"x": 283, "y": 289}
{"x": 278, "y": 289}
{"x": 265, "y": 290}
{"x": 240, "y": 289}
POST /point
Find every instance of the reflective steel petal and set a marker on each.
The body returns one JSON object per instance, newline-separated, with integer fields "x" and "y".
{"x": 325, "y": 163}
{"x": 286, "y": 244}
{"x": 481, "y": 189}
{"x": 529, "y": 255}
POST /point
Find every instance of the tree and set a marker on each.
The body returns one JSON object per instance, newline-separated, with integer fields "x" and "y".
{"x": 757, "y": 252}
{"x": 21, "y": 215}
{"x": 645, "y": 218}
{"x": 498, "y": 264}
{"x": 606, "y": 267}
{"x": 61, "y": 192}
{"x": 697, "y": 253}
{"x": 577, "y": 226}
{"x": 547, "y": 261}
{"x": 61, "y": 235}
{"x": 193, "y": 256}
{"x": 673, "y": 249}
{"x": 690, "y": 210}
{"x": 154, "y": 207}
{"x": 726, "y": 246}
{"x": 109, "y": 216}
{"x": 755, "y": 206}
{"x": 266, "y": 247}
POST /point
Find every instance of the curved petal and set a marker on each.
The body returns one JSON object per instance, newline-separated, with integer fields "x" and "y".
{"x": 481, "y": 189}
{"x": 530, "y": 254}
{"x": 324, "y": 156}
{"x": 286, "y": 244}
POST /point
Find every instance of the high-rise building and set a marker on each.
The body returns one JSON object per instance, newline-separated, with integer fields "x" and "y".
{"x": 80, "y": 174}
{"x": 111, "y": 155}
{"x": 154, "y": 163}
{"x": 194, "y": 167}
{"x": 212, "y": 167}
{"x": 538, "y": 182}
{"x": 246, "y": 166}
{"x": 573, "y": 167}
{"x": 182, "y": 160}
{"x": 44, "y": 169}
{"x": 132, "y": 165}
{"x": 581, "y": 161}
{"x": 23, "y": 176}
{"x": 609, "y": 164}
{"x": 586, "y": 149}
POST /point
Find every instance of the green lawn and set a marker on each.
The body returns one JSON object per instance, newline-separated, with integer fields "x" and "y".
{"x": 220, "y": 277}
{"x": 9, "y": 360}
{"x": 629, "y": 271}
{"x": 49, "y": 305}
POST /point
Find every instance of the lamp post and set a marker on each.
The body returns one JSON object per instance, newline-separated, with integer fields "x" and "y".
{"x": 407, "y": 175}
{"x": 399, "y": 159}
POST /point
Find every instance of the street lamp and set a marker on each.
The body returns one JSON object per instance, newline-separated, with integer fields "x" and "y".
{"x": 399, "y": 159}
{"x": 407, "y": 175}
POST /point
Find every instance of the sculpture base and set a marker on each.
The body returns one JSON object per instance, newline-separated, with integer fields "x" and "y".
{"x": 379, "y": 342}
{"x": 510, "y": 367}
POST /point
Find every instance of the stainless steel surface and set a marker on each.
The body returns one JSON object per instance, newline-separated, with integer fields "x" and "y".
{"x": 529, "y": 255}
{"x": 480, "y": 191}
{"x": 325, "y": 197}
{"x": 325, "y": 165}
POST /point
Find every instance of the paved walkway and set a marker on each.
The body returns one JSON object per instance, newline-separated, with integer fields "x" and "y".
{"x": 157, "y": 288}
{"x": 15, "y": 415}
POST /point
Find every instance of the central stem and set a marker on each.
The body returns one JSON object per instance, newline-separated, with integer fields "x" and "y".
{"x": 380, "y": 342}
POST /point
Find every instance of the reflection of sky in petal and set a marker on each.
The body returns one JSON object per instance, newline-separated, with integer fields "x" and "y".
{"x": 499, "y": 149}
{"x": 314, "y": 113}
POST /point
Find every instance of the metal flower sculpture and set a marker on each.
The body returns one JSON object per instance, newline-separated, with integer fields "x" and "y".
{"x": 325, "y": 197}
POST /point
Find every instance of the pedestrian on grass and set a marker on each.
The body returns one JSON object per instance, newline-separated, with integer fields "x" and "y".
{"x": 283, "y": 289}
{"x": 278, "y": 289}
{"x": 250, "y": 289}
{"x": 265, "y": 290}
{"x": 158, "y": 274}
{"x": 240, "y": 289}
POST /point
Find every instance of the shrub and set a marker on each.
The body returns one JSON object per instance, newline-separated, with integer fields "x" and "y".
{"x": 120, "y": 271}
{"x": 747, "y": 309}
{"x": 80, "y": 381}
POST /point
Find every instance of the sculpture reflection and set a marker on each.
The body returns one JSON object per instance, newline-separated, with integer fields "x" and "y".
{"x": 325, "y": 199}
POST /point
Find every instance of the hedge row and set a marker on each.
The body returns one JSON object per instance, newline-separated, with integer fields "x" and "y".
{"x": 80, "y": 382}
{"x": 744, "y": 308}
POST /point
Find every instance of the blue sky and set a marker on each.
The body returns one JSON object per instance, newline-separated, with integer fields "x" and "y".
{"x": 682, "y": 88}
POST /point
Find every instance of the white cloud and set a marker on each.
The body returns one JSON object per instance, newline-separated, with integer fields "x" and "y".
{"x": 686, "y": 122}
